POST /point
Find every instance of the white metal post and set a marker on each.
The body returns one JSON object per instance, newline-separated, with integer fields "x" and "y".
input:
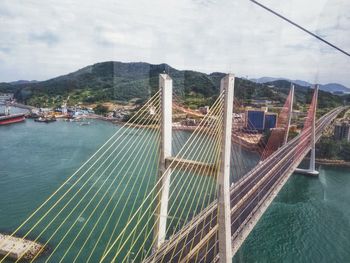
{"x": 224, "y": 208}
{"x": 313, "y": 130}
{"x": 290, "y": 113}
{"x": 166, "y": 87}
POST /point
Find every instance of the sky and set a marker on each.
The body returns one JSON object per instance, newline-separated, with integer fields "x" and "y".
{"x": 44, "y": 39}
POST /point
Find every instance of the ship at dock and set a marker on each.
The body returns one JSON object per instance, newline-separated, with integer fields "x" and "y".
{"x": 7, "y": 118}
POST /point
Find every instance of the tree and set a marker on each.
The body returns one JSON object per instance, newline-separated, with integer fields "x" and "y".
{"x": 328, "y": 148}
{"x": 100, "y": 109}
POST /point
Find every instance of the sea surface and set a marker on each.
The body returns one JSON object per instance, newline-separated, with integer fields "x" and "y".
{"x": 309, "y": 221}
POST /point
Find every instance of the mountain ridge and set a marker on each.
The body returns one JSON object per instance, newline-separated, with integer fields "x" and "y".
{"x": 330, "y": 87}
{"x": 121, "y": 82}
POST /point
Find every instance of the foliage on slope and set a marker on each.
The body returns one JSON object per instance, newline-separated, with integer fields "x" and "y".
{"x": 121, "y": 82}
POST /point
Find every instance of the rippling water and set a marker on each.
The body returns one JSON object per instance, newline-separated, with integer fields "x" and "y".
{"x": 309, "y": 221}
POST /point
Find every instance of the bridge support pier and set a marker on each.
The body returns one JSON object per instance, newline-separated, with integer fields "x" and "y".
{"x": 161, "y": 214}
{"x": 312, "y": 169}
{"x": 224, "y": 207}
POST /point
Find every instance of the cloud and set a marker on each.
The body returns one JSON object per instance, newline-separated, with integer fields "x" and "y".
{"x": 46, "y": 37}
{"x": 56, "y": 37}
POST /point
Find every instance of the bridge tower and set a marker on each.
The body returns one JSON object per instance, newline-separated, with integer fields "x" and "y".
{"x": 224, "y": 207}
{"x": 290, "y": 112}
{"x": 161, "y": 213}
{"x": 312, "y": 170}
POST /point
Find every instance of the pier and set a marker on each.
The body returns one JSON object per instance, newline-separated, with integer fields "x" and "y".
{"x": 17, "y": 248}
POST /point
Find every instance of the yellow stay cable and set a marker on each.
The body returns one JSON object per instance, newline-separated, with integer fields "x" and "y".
{"x": 177, "y": 141}
{"x": 61, "y": 199}
{"x": 160, "y": 189}
{"x": 122, "y": 212}
{"x": 203, "y": 121}
{"x": 113, "y": 211}
{"x": 122, "y": 235}
{"x": 129, "y": 147}
{"x": 142, "y": 205}
{"x": 216, "y": 159}
{"x": 67, "y": 180}
{"x": 140, "y": 170}
{"x": 217, "y": 164}
{"x": 213, "y": 145}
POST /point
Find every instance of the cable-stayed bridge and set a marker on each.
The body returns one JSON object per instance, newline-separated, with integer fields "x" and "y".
{"x": 155, "y": 194}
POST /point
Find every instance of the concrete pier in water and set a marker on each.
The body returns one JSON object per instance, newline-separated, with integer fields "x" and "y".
{"x": 18, "y": 248}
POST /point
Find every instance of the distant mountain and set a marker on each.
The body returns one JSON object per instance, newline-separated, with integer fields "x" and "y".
{"x": 331, "y": 87}
{"x": 335, "y": 87}
{"x": 303, "y": 94}
{"x": 23, "y": 82}
{"x": 271, "y": 79}
{"x": 120, "y": 82}
{"x": 302, "y": 83}
{"x": 266, "y": 79}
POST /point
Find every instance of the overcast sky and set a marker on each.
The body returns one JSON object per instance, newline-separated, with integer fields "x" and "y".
{"x": 43, "y": 39}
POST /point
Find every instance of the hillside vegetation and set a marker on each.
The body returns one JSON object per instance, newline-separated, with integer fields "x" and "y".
{"x": 121, "y": 82}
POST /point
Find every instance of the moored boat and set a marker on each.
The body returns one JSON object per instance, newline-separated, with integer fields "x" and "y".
{"x": 12, "y": 118}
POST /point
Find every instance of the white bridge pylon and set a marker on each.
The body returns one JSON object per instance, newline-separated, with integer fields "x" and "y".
{"x": 161, "y": 214}
{"x": 312, "y": 169}
{"x": 223, "y": 171}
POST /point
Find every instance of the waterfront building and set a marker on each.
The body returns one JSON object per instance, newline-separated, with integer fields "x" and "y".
{"x": 5, "y": 97}
{"x": 204, "y": 110}
{"x": 189, "y": 122}
{"x": 261, "y": 103}
{"x": 342, "y": 131}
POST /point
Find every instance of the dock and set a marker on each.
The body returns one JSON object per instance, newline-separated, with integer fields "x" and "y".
{"x": 18, "y": 248}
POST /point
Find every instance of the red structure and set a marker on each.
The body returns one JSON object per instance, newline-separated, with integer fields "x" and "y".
{"x": 278, "y": 134}
{"x": 308, "y": 122}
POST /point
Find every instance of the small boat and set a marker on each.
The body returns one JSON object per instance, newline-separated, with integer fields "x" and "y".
{"x": 84, "y": 123}
{"x": 45, "y": 119}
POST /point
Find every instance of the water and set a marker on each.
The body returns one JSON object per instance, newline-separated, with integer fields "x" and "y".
{"x": 309, "y": 221}
{"x": 35, "y": 158}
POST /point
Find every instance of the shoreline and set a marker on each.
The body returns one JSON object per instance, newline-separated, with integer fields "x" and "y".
{"x": 333, "y": 163}
{"x": 245, "y": 144}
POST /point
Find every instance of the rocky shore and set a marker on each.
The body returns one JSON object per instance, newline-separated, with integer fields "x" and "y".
{"x": 334, "y": 163}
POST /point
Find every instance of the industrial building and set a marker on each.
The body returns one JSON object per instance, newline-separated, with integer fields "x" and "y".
{"x": 270, "y": 120}
{"x": 260, "y": 120}
{"x": 255, "y": 120}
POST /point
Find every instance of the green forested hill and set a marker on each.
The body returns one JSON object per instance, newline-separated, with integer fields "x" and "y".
{"x": 121, "y": 82}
